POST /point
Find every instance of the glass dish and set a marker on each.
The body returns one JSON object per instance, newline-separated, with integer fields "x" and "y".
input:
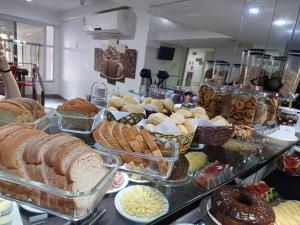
{"x": 145, "y": 164}
{"x": 41, "y": 123}
{"x": 73, "y": 206}
{"x": 78, "y": 124}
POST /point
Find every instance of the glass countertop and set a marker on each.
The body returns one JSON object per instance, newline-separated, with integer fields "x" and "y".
{"x": 183, "y": 199}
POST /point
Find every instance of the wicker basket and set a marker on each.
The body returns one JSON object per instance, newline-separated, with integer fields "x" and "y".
{"x": 184, "y": 141}
{"x": 215, "y": 136}
{"x": 132, "y": 118}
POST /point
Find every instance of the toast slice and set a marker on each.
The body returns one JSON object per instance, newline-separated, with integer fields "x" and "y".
{"x": 97, "y": 135}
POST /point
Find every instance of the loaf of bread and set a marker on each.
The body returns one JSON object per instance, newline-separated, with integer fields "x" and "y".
{"x": 114, "y": 135}
{"x": 78, "y": 107}
{"x": 59, "y": 160}
{"x": 20, "y": 110}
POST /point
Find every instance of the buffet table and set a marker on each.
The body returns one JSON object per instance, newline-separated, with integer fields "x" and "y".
{"x": 182, "y": 199}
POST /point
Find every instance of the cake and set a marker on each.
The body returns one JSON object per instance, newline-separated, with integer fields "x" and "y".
{"x": 232, "y": 205}
{"x": 263, "y": 190}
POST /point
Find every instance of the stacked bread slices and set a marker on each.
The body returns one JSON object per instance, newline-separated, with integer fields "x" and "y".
{"x": 114, "y": 135}
{"x": 21, "y": 110}
{"x": 59, "y": 160}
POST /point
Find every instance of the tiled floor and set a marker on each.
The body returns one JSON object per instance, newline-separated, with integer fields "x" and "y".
{"x": 53, "y": 101}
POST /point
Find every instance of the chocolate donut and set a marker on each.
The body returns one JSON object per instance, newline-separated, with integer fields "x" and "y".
{"x": 233, "y": 205}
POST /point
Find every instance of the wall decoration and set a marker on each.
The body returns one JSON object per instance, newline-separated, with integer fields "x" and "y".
{"x": 115, "y": 62}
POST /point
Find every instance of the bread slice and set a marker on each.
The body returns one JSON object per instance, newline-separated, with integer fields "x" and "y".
{"x": 149, "y": 140}
{"x": 142, "y": 144}
{"x": 108, "y": 135}
{"x": 20, "y": 111}
{"x": 97, "y": 135}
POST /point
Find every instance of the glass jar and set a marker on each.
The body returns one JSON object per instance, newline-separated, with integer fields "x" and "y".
{"x": 277, "y": 66}
{"x": 235, "y": 73}
{"x": 206, "y": 97}
{"x": 209, "y": 65}
{"x": 221, "y": 103}
{"x": 255, "y": 58}
{"x": 291, "y": 74}
{"x": 242, "y": 109}
{"x": 220, "y": 72}
{"x": 243, "y": 66}
{"x": 287, "y": 116}
{"x": 262, "y": 107}
{"x": 273, "y": 104}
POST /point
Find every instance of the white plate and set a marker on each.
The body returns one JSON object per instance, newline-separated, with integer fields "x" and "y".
{"x": 123, "y": 185}
{"x": 31, "y": 209}
{"x": 142, "y": 181}
{"x": 135, "y": 218}
{"x": 208, "y": 207}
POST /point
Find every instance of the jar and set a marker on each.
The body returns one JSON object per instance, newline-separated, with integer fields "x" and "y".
{"x": 209, "y": 65}
{"x": 291, "y": 74}
{"x": 254, "y": 65}
{"x": 273, "y": 104}
{"x": 287, "y": 116}
{"x": 262, "y": 107}
{"x": 206, "y": 97}
{"x": 242, "y": 109}
{"x": 221, "y": 103}
{"x": 277, "y": 66}
{"x": 243, "y": 66}
{"x": 235, "y": 73}
{"x": 220, "y": 72}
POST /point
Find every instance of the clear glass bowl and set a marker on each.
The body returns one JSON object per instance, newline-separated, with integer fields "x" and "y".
{"x": 78, "y": 124}
{"x": 149, "y": 163}
{"x": 73, "y": 206}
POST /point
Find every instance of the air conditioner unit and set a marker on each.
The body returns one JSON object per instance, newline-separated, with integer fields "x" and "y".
{"x": 119, "y": 24}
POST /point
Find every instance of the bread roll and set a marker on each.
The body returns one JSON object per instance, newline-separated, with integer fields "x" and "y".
{"x": 198, "y": 110}
{"x": 149, "y": 127}
{"x": 157, "y": 118}
{"x": 200, "y": 116}
{"x": 182, "y": 129}
{"x": 168, "y": 104}
{"x": 132, "y": 108}
{"x": 191, "y": 127}
{"x": 157, "y": 105}
{"x": 147, "y": 100}
{"x": 186, "y": 113}
{"x": 177, "y": 118}
{"x": 116, "y": 102}
{"x": 130, "y": 100}
{"x": 112, "y": 109}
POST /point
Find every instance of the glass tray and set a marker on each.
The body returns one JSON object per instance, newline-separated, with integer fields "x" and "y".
{"x": 78, "y": 124}
{"x": 149, "y": 166}
{"x": 73, "y": 206}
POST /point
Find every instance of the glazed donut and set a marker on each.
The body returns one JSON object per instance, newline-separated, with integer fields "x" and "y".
{"x": 235, "y": 205}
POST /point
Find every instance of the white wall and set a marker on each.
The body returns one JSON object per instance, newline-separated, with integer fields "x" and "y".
{"x": 77, "y": 57}
{"x": 173, "y": 67}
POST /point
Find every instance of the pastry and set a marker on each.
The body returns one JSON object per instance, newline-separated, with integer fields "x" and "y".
{"x": 177, "y": 118}
{"x": 235, "y": 205}
{"x": 263, "y": 190}
{"x": 116, "y": 102}
{"x": 186, "y": 113}
{"x": 128, "y": 100}
{"x": 157, "y": 105}
{"x": 180, "y": 169}
{"x": 157, "y": 118}
{"x": 168, "y": 104}
{"x": 197, "y": 160}
{"x": 147, "y": 100}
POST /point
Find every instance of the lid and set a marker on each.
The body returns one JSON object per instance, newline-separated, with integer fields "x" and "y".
{"x": 294, "y": 52}
{"x": 220, "y": 62}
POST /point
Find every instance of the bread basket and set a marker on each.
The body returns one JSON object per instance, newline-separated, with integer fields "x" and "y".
{"x": 215, "y": 136}
{"x": 132, "y": 118}
{"x": 184, "y": 141}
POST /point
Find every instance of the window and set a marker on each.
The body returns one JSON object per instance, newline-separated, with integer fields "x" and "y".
{"x": 33, "y": 45}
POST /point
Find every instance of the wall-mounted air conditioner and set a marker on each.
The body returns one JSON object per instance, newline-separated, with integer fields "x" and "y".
{"x": 119, "y": 24}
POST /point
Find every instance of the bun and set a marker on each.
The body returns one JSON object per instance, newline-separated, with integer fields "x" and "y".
{"x": 157, "y": 105}
{"x": 190, "y": 126}
{"x": 182, "y": 129}
{"x": 186, "y": 113}
{"x": 177, "y": 118}
{"x": 168, "y": 104}
{"x": 116, "y": 102}
{"x": 200, "y": 116}
{"x": 147, "y": 100}
{"x": 132, "y": 108}
{"x": 149, "y": 127}
{"x": 157, "y": 118}
{"x": 112, "y": 109}
{"x": 198, "y": 110}
{"x": 130, "y": 100}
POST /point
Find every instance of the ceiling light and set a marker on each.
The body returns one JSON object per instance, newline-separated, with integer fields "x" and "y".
{"x": 165, "y": 21}
{"x": 279, "y": 22}
{"x": 254, "y": 10}
{"x": 28, "y": 0}
{"x": 3, "y": 27}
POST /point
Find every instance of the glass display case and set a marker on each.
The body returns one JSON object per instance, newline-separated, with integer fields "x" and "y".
{"x": 183, "y": 199}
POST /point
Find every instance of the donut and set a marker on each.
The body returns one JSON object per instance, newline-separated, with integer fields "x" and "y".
{"x": 240, "y": 105}
{"x": 235, "y": 205}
